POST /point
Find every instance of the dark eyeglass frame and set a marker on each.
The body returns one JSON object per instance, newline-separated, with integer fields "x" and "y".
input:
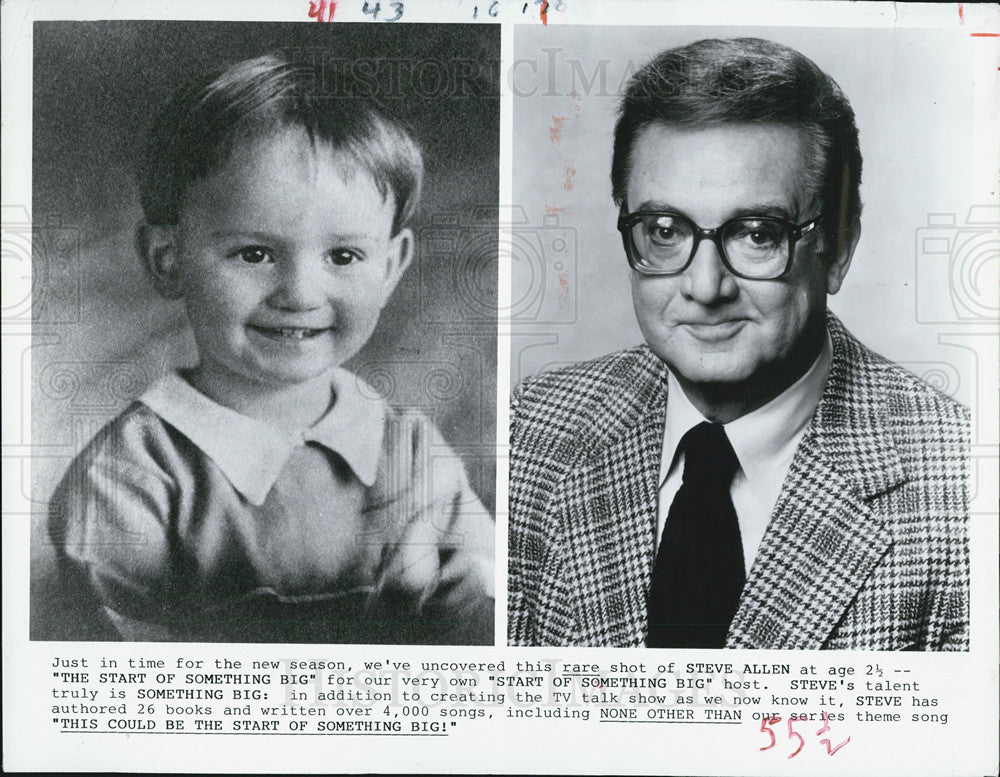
{"x": 626, "y": 221}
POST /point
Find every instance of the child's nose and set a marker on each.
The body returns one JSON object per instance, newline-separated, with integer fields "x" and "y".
{"x": 300, "y": 287}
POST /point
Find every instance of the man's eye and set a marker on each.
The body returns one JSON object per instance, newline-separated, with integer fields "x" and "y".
{"x": 345, "y": 256}
{"x": 762, "y": 237}
{"x": 254, "y": 255}
{"x": 761, "y": 234}
{"x": 663, "y": 230}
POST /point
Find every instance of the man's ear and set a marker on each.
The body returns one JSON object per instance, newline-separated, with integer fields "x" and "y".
{"x": 841, "y": 260}
{"x": 157, "y": 245}
{"x": 399, "y": 257}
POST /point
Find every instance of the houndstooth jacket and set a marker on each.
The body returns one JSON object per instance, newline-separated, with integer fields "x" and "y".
{"x": 866, "y": 548}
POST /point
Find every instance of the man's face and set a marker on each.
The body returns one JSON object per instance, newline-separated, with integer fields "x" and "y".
{"x": 710, "y": 327}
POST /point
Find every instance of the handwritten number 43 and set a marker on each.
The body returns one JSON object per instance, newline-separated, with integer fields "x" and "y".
{"x": 767, "y": 722}
{"x": 375, "y": 8}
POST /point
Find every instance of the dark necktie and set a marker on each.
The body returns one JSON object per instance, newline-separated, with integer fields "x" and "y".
{"x": 699, "y": 572}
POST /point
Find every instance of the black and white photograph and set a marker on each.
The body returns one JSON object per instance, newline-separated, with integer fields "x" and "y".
{"x": 714, "y": 450}
{"x": 264, "y": 358}
{"x": 500, "y": 387}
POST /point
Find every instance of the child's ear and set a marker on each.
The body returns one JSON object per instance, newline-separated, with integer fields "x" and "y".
{"x": 399, "y": 258}
{"x": 157, "y": 245}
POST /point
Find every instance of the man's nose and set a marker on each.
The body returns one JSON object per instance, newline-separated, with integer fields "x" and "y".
{"x": 706, "y": 280}
{"x": 301, "y": 285}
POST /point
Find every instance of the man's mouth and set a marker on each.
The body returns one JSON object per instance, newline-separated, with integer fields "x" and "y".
{"x": 716, "y": 330}
{"x": 289, "y": 332}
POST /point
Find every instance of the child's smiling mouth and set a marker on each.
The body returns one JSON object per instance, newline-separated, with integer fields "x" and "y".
{"x": 288, "y": 332}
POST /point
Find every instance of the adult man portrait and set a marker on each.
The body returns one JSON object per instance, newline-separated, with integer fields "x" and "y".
{"x": 752, "y": 476}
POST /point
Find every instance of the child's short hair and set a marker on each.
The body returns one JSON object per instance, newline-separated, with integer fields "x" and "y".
{"x": 196, "y": 133}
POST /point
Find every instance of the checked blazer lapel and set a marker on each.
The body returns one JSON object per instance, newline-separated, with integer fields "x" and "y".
{"x": 824, "y": 540}
{"x": 609, "y": 512}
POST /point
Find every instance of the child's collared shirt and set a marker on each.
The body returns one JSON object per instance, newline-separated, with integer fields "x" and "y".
{"x": 184, "y": 519}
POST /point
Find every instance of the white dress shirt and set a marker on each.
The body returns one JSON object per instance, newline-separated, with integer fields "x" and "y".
{"x": 764, "y": 441}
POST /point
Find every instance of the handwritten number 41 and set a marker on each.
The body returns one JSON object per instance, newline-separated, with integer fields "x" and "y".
{"x": 767, "y": 722}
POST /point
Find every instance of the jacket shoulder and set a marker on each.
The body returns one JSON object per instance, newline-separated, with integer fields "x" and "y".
{"x": 586, "y": 399}
{"x": 886, "y": 415}
{"x": 911, "y": 403}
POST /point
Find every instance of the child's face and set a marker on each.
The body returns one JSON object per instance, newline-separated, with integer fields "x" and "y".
{"x": 284, "y": 259}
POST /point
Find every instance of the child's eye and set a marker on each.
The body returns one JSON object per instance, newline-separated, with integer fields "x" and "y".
{"x": 254, "y": 255}
{"x": 345, "y": 256}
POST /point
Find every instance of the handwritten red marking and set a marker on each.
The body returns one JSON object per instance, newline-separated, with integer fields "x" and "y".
{"x": 570, "y": 172}
{"x": 543, "y": 12}
{"x": 555, "y": 131}
{"x": 792, "y": 733}
{"x": 322, "y": 10}
{"x": 961, "y": 14}
{"x": 770, "y": 720}
{"x": 765, "y": 728}
{"x": 984, "y": 34}
{"x": 552, "y": 210}
{"x": 826, "y": 727}
{"x": 831, "y": 751}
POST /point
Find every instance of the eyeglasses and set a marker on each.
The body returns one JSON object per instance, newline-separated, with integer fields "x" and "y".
{"x": 752, "y": 247}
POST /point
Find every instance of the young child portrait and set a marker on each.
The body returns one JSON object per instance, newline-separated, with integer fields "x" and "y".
{"x": 270, "y": 480}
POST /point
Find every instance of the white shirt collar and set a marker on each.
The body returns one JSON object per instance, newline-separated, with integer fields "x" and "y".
{"x": 252, "y": 453}
{"x": 764, "y": 440}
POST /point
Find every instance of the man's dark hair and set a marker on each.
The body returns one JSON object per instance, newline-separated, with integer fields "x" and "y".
{"x": 749, "y": 80}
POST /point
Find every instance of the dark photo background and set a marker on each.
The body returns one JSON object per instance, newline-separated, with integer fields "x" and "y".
{"x": 101, "y": 333}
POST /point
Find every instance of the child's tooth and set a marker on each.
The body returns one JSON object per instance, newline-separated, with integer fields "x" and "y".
{"x": 294, "y": 333}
